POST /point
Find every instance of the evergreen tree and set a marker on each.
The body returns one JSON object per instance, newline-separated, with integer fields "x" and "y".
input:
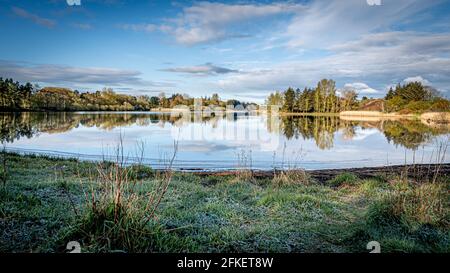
{"x": 289, "y": 100}
{"x": 390, "y": 94}
{"x": 297, "y": 102}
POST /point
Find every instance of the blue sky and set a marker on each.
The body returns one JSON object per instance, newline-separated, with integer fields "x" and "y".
{"x": 240, "y": 49}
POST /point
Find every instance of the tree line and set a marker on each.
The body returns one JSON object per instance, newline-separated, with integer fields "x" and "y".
{"x": 324, "y": 98}
{"x": 415, "y": 97}
{"x": 17, "y": 97}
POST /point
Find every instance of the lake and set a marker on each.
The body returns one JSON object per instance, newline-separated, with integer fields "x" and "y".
{"x": 225, "y": 140}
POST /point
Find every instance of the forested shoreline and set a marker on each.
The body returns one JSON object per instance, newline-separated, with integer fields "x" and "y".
{"x": 411, "y": 97}
{"x": 26, "y": 97}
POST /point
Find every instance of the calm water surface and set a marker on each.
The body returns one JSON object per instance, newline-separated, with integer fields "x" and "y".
{"x": 224, "y": 140}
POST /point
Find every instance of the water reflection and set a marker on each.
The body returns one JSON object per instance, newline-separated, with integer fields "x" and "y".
{"x": 409, "y": 134}
{"x": 25, "y": 124}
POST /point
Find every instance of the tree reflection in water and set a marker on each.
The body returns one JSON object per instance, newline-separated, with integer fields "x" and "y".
{"x": 322, "y": 129}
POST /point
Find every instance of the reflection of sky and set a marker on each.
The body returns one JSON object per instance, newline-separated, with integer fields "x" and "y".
{"x": 210, "y": 149}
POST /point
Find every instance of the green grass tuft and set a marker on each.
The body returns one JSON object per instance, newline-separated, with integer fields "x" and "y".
{"x": 347, "y": 179}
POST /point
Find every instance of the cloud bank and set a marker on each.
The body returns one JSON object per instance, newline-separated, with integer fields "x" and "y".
{"x": 206, "y": 69}
{"x": 51, "y": 74}
{"x": 206, "y": 22}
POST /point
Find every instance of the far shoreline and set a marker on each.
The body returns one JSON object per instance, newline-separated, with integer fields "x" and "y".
{"x": 429, "y": 118}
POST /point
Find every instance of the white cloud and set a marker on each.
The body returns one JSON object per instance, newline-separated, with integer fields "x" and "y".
{"x": 314, "y": 24}
{"x": 360, "y": 46}
{"x": 417, "y": 79}
{"x": 360, "y": 88}
{"x": 376, "y": 59}
{"x": 206, "y": 69}
{"x": 407, "y": 41}
{"x": 139, "y": 27}
{"x": 362, "y": 134}
{"x": 73, "y": 76}
{"x": 325, "y": 22}
{"x": 206, "y": 22}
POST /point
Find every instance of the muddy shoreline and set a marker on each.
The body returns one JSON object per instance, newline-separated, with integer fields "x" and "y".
{"x": 363, "y": 173}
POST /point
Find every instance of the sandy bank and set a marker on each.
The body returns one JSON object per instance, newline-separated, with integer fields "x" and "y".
{"x": 438, "y": 117}
{"x": 374, "y": 114}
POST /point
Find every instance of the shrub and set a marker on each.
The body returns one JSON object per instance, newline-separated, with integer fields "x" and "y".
{"x": 372, "y": 187}
{"x": 381, "y": 214}
{"x": 395, "y": 104}
{"x": 343, "y": 179}
{"x": 418, "y": 106}
{"x": 140, "y": 171}
{"x": 244, "y": 172}
{"x": 440, "y": 105}
{"x": 405, "y": 112}
{"x": 118, "y": 214}
{"x": 426, "y": 204}
{"x": 4, "y": 167}
{"x": 211, "y": 180}
{"x": 3, "y": 176}
{"x": 291, "y": 177}
{"x": 408, "y": 218}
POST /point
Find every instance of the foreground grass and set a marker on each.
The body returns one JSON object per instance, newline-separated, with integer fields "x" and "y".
{"x": 44, "y": 205}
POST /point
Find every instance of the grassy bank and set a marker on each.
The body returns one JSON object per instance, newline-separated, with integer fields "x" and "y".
{"x": 47, "y": 202}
